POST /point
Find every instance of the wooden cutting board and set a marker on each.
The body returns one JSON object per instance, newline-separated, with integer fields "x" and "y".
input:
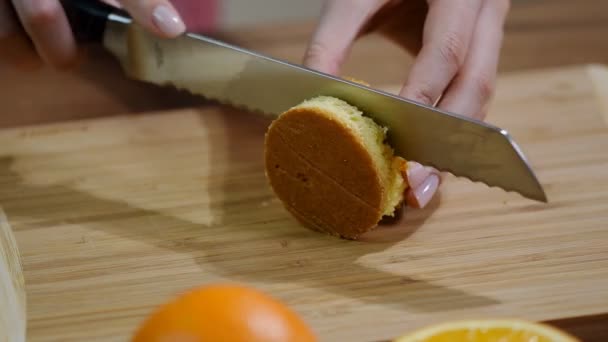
{"x": 115, "y": 216}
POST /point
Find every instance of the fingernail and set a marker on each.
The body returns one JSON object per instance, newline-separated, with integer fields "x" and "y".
{"x": 424, "y": 193}
{"x": 416, "y": 174}
{"x": 168, "y": 21}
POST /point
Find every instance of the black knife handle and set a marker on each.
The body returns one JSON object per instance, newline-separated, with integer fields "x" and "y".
{"x": 88, "y": 18}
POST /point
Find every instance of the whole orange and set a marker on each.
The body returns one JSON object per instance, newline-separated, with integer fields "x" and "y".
{"x": 224, "y": 312}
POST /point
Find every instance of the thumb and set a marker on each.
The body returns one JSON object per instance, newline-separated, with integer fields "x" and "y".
{"x": 340, "y": 24}
{"x": 158, "y": 16}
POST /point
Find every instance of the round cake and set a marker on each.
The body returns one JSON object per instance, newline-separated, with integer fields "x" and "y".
{"x": 332, "y": 169}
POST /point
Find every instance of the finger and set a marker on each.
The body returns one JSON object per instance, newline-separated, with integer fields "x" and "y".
{"x": 15, "y": 48}
{"x": 158, "y": 16}
{"x": 423, "y": 184}
{"x": 447, "y": 33}
{"x": 473, "y": 88}
{"x": 338, "y": 28}
{"x": 114, "y": 3}
{"x": 421, "y": 196}
{"x": 416, "y": 174}
{"x": 46, "y": 24}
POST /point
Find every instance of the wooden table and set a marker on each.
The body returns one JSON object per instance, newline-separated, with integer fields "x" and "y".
{"x": 102, "y": 206}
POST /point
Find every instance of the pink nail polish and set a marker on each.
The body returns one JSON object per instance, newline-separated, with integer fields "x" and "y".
{"x": 425, "y": 192}
{"x": 416, "y": 174}
{"x": 168, "y": 21}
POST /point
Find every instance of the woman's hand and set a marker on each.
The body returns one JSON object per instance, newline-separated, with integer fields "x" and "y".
{"x": 32, "y": 28}
{"x": 457, "y": 43}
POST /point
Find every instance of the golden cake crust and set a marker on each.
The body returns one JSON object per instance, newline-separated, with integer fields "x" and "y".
{"x": 322, "y": 172}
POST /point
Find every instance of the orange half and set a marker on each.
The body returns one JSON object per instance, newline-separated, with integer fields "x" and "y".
{"x": 506, "y": 330}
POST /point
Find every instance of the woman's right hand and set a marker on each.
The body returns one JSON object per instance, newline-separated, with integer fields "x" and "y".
{"x": 38, "y": 30}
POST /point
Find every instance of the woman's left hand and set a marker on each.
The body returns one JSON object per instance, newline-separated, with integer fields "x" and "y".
{"x": 457, "y": 45}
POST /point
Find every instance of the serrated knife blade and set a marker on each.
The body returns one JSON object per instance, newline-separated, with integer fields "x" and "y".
{"x": 232, "y": 75}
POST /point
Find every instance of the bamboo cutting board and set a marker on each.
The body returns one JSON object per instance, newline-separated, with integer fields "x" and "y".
{"x": 115, "y": 216}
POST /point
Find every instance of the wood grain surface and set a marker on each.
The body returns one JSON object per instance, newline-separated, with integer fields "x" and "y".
{"x": 12, "y": 286}
{"x": 114, "y": 216}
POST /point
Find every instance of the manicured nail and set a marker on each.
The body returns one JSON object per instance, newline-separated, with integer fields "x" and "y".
{"x": 424, "y": 193}
{"x": 168, "y": 21}
{"x": 416, "y": 174}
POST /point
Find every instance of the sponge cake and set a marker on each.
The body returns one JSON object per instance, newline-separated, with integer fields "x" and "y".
{"x": 332, "y": 169}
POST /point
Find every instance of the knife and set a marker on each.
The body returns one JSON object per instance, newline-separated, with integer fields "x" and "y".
{"x": 242, "y": 78}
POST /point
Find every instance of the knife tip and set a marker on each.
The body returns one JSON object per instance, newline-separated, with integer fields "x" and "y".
{"x": 540, "y": 196}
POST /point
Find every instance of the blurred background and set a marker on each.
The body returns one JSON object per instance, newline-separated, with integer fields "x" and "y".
{"x": 239, "y": 13}
{"x": 538, "y": 34}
